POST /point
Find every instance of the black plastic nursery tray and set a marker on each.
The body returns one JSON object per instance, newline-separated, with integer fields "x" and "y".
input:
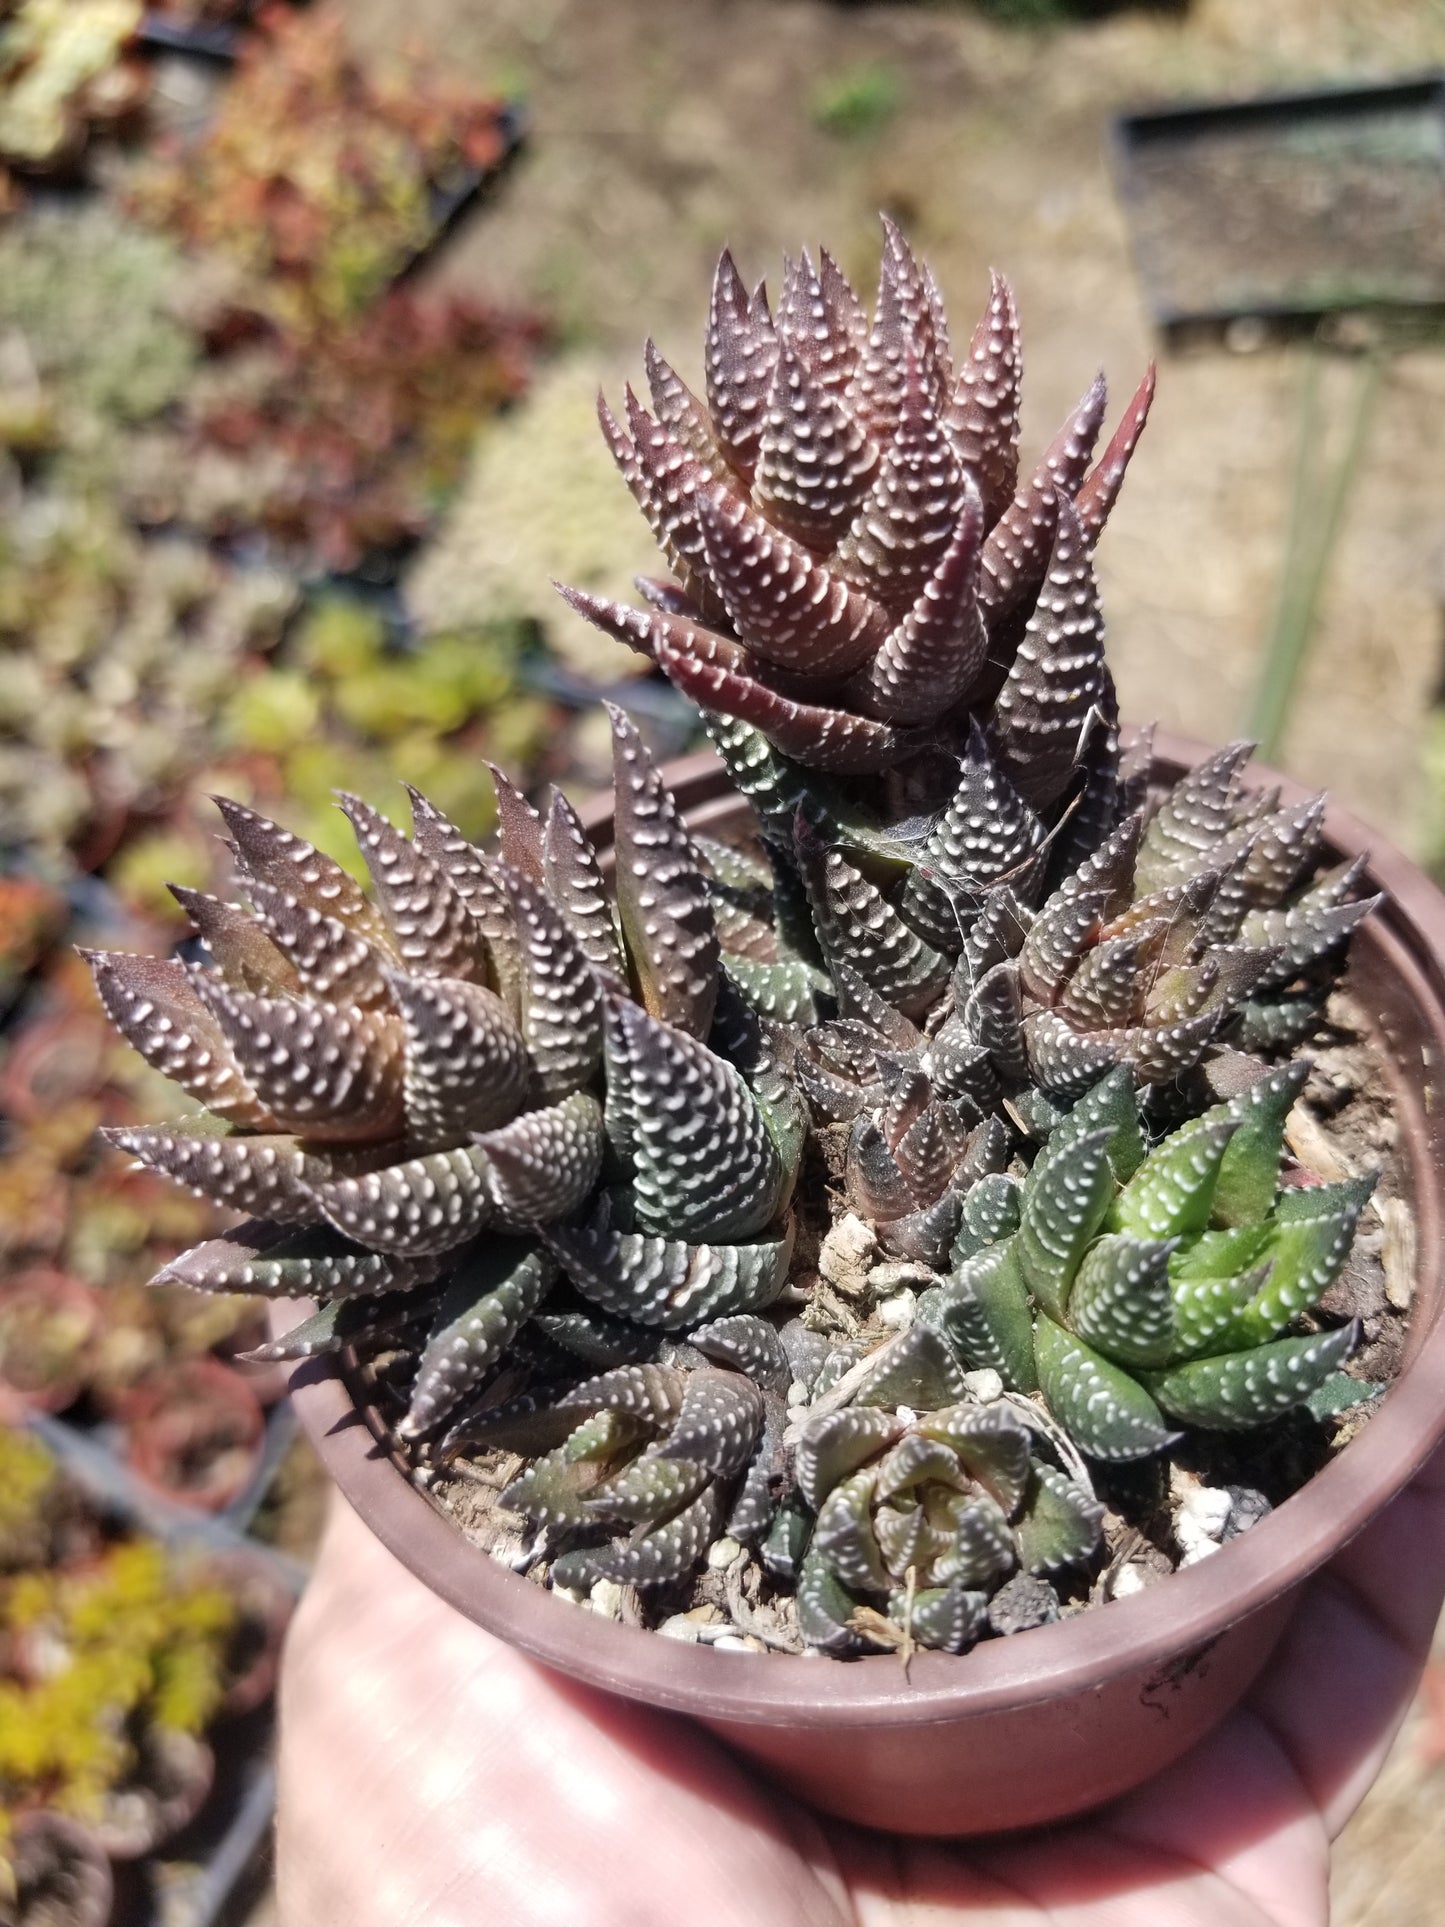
{"x": 1289, "y": 208}
{"x": 205, "y": 1876}
{"x": 207, "y": 40}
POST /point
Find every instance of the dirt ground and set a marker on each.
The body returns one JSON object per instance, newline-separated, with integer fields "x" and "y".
{"x": 662, "y": 132}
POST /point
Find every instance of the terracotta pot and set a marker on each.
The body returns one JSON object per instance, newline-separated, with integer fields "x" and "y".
{"x": 194, "y": 1430}
{"x": 61, "y": 1873}
{"x": 1051, "y": 1722}
{"x": 48, "y": 1324}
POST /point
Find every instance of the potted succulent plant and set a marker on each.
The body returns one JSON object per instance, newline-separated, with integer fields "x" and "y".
{"x": 865, "y": 1199}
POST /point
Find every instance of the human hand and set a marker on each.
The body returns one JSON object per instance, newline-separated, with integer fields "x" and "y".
{"x": 431, "y": 1774}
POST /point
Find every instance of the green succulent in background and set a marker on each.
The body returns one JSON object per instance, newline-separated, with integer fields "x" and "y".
{"x": 131, "y": 1645}
{"x": 570, "y": 1152}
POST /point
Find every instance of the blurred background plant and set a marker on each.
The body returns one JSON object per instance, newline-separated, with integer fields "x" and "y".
{"x": 321, "y": 177}
{"x": 64, "y": 70}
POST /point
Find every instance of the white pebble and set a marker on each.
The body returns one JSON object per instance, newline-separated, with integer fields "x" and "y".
{"x": 732, "y": 1643}
{"x": 1127, "y": 1579}
{"x": 984, "y": 1385}
{"x": 574, "y": 1595}
{"x": 606, "y": 1599}
{"x": 798, "y": 1394}
{"x": 722, "y": 1552}
{"x": 681, "y": 1627}
{"x": 899, "y": 1311}
{"x": 1200, "y": 1521}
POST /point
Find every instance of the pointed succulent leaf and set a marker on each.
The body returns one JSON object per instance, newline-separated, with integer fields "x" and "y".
{"x": 433, "y": 933}
{"x": 945, "y": 1619}
{"x": 1171, "y": 1195}
{"x": 648, "y": 1491}
{"x": 1017, "y": 553}
{"x": 1057, "y": 939}
{"x": 659, "y": 1558}
{"x": 595, "y": 1338}
{"x": 237, "y": 944}
{"x": 662, "y": 1282}
{"x": 680, "y": 412}
{"x": 741, "y": 350}
{"x": 153, "y": 1003}
{"x": 542, "y": 1166}
{"x": 749, "y": 1345}
{"x": 983, "y": 417}
{"x": 1249, "y": 1169}
{"x": 1121, "y": 1303}
{"x": 1308, "y": 1242}
{"x": 718, "y": 1423}
{"x": 1206, "y": 1311}
{"x": 991, "y": 1442}
{"x": 910, "y": 515}
{"x": 990, "y": 1214}
{"x": 1244, "y": 1389}
{"x": 1308, "y": 930}
{"x": 1161, "y": 1053}
{"x": 489, "y": 1297}
{"x": 993, "y": 1017}
{"x": 986, "y": 830}
{"x": 830, "y": 342}
{"x": 321, "y": 1072}
{"x": 1283, "y": 845}
{"x": 1100, "y": 488}
{"x": 467, "y": 1067}
{"x": 573, "y": 880}
{"x": 916, "y": 1369}
{"x": 297, "y": 1264}
{"x": 1057, "y": 688}
{"x": 330, "y": 960}
{"x": 843, "y": 1534}
{"x": 825, "y": 1610}
{"x": 984, "y": 1317}
{"x": 1106, "y": 1412}
{"x": 1193, "y": 820}
{"x": 789, "y": 993}
{"x": 1109, "y": 1106}
{"x": 1065, "y": 1198}
{"x": 1341, "y": 1392}
{"x": 1063, "y": 1061}
{"x": 916, "y": 1460}
{"x": 834, "y": 1445}
{"x": 471, "y": 879}
{"x": 924, "y": 1236}
{"x": 983, "y": 1547}
{"x": 704, "y": 1164}
{"x": 266, "y": 853}
{"x": 1275, "y": 1023}
{"x": 781, "y": 600}
{"x": 1061, "y": 1523}
{"x": 859, "y": 929}
{"x": 1220, "y": 1254}
{"x": 420, "y": 1205}
{"x": 934, "y": 656}
{"x": 265, "y": 1175}
{"x": 667, "y": 916}
{"x": 815, "y": 458}
{"x": 562, "y": 1007}
{"x": 344, "y": 1322}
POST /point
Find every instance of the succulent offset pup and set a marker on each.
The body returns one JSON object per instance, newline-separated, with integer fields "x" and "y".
{"x": 564, "y": 1135}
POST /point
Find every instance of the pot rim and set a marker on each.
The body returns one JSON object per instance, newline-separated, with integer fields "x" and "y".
{"x": 1188, "y": 1612}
